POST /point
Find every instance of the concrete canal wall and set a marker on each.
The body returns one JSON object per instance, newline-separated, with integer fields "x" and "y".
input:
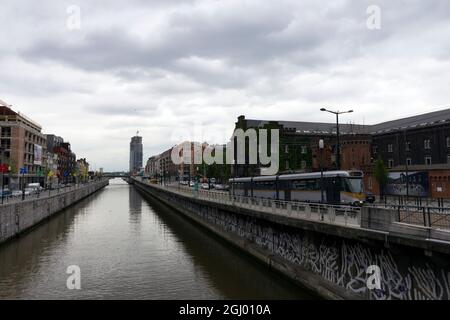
{"x": 17, "y": 217}
{"x": 331, "y": 260}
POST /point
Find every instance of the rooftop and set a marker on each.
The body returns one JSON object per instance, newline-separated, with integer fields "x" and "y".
{"x": 422, "y": 120}
{"x": 312, "y": 127}
{"x": 7, "y": 114}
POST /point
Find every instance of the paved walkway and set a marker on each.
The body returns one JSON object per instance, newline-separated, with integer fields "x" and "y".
{"x": 42, "y": 194}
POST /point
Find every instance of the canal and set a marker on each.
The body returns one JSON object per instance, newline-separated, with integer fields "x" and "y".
{"x": 128, "y": 247}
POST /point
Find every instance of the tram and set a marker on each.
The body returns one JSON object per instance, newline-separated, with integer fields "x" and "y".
{"x": 337, "y": 187}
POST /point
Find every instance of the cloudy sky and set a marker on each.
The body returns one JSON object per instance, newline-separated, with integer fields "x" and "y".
{"x": 177, "y": 70}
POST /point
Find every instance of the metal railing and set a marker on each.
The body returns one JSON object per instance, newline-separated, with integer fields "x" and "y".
{"x": 413, "y": 201}
{"x": 332, "y": 214}
{"x": 43, "y": 193}
{"x": 432, "y": 217}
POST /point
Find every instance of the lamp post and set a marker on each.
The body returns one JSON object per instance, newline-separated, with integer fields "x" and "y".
{"x": 3, "y": 183}
{"x": 23, "y": 171}
{"x": 40, "y": 174}
{"x": 2, "y": 168}
{"x": 321, "y": 147}
{"x": 406, "y": 166}
{"x": 338, "y": 146}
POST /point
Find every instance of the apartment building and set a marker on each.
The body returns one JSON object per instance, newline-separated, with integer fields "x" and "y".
{"x": 22, "y": 144}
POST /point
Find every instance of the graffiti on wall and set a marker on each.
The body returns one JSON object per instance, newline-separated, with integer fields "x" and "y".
{"x": 341, "y": 262}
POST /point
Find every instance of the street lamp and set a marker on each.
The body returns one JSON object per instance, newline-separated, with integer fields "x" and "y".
{"x": 321, "y": 147}
{"x": 2, "y": 168}
{"x": 406, "y": 166}
{"x": 338, "y": 147}
{"x": 23, "y": 171}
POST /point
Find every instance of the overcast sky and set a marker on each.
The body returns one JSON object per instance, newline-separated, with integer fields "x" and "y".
{"x": 165, "y": 67}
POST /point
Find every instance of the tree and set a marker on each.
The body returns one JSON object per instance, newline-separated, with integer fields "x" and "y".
{"x": 13, "y": 167}
{"x": 381, "y": 174}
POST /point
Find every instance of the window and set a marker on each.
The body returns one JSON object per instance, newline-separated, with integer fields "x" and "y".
{"x": 311, "y": 184}
{"x": 303, "y": 164}
{"x": 352, "y": 185}
{"x": 304, "y": 149}
{"x": 428, "y": 160}
{"x": 408, "y": 161}
{"x": 390, "y": 147}
{"x": 375, "y": 149}
{"x": 287, "y": 164}
{"x": 408, "y": 146}
{"x": 448, "y": 158}
{"x": 286, "y": 148}
{"x": 448, "y": 142}
{"x": 390, "y": 163}
{"x": 427, "y": 144}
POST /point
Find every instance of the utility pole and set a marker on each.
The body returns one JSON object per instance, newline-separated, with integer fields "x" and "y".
{"x": 321, "y": 147}
{"x": 2, "y": 149}
{"x": 406, "y": 167}
{"x": 338, "y": 146}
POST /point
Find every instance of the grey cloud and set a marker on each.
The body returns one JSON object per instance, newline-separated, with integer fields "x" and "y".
{"x": 183, "y": 62}
{"x": 125, "y": 109}
{"x": 244, "y": 39}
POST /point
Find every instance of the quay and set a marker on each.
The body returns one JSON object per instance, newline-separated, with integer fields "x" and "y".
{"x": 18, "y": 216}
{"x": 327, "y": 249}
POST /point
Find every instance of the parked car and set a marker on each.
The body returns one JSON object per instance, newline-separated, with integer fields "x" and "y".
{"x": 205, "y": 186}
{"x": 5, "y": 192}
{"x": 219, "y": 187}
{"x": 370, "y": 197}
{"x": 191, "y": 184}
{"x": 33, "y": 188}
{"x": 18, "y": 193}
{"x": 31, "y": 191}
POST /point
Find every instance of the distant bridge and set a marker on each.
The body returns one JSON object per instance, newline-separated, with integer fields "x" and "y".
{"x": 116, "y": 175}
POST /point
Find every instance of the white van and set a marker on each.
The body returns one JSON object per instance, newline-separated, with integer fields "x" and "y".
{"x": 33, "y": 187}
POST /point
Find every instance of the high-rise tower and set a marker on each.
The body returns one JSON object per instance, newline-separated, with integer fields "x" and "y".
{"x": 136, "y": 154}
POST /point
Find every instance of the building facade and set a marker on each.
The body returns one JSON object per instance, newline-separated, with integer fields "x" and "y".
{"x": 161, "y": 167}
{"x": 22, "y": 145}
{"x": 416, "y": 151}
{"x": 136, "y": 155}
{"x": 299, "y": 146}
{"x": 82, "y": 170}
{"x": 66, "y": 158}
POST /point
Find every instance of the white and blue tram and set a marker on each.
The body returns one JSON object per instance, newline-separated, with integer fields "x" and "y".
{"x": 339, "y": 187}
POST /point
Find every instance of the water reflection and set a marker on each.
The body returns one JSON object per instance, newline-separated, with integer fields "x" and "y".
{"x": 131, "y": 248}
{"x": 135, "y": 201}
{"x": 224, "y": 265}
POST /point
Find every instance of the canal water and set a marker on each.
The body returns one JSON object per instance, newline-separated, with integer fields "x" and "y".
{"x": 128, "y": 247}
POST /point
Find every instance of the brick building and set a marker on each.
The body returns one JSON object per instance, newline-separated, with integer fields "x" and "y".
{"x": 66, "y": 159}
{"x": 162, "y": 167}
{"x": 418, "y": 144}
{"x": 299, "y": 145}
{"x": 414, "y": 145}
{"x": 22, "y": 145}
